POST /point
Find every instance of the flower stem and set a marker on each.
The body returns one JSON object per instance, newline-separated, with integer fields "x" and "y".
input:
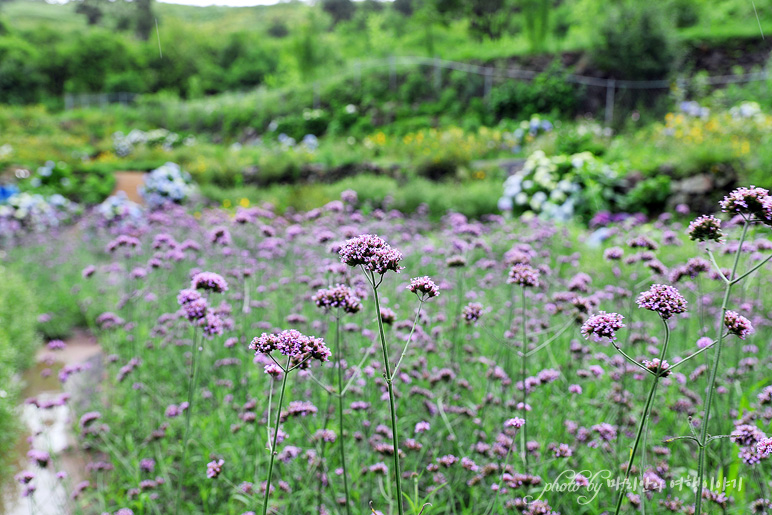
{"x": 525, "y": 389}
{"x": 714, "y": 372}
{"x": 394, "y": 434}
{"x": 191, "y": 392}
{"x": 275, "y": 438}
{"x": 644, "y": 417}
{"x": 340, "y": 412}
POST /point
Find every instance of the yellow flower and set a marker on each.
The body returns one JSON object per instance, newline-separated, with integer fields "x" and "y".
{"x": 226, "y": 203}
{"x": 197, "y": 215}
{"x": 244, "y": 202}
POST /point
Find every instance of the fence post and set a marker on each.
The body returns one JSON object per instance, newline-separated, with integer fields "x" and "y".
{"x": 437, "y": 74}
{"x": 358, "y": 73}
{"x": 67, "y": 101}
{"x": 610, "y": 86}
{"x": 392, "y": 73}
{"x": 488, "y": 81}
{"x": 316, "y": 94}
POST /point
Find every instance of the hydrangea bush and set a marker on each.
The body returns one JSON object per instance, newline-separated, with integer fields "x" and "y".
{"x": 560, "y": 187}
{"x": 167, "y": 184}
{"x": 26, "y": 212}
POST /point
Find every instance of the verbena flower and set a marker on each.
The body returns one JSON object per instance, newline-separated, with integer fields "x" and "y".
{"x": 340, "y": 297}
{"x": 764, "y": 447}
{"x": 603, "y": 325}
{"x": 662, "y": 299}
{"x": 524, "y": 275}
{"x": 753, "y": 202}
{"x": 214, "y": 468}
{"x": 371, "y": 252}
{"x": 293, "y": 344}
{"x": 738, "y": 324}
{"x": 705, "y": 227}
{"x": 209, "y": 281}
{"x": 654, "y": 366}
{"x": 472, "y": 312}
{"x": 516, "y": 422}
{"x": 613, "y": 254}
{"x": 423, "y": 287}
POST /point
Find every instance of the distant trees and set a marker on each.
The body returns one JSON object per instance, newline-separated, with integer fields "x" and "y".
{"x": 339, "y": 10}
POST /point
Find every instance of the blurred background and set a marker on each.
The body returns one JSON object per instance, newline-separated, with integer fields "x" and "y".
{"x": 295, "y": 102}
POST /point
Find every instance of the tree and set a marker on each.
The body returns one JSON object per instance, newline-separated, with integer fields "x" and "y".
{"x": 487, "y": 18}
{"x": 537, "y": 17}
{"x": 91, "y": 9}
{"x": 340, "y": 10}
{"x": 145, "y": 19}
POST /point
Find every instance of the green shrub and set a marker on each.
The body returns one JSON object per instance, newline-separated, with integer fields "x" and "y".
{"x": 635, "y": 41}
{"x": 18, "y": 344}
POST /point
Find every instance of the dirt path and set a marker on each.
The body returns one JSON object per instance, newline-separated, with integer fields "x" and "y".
{"x": 129, "y": 182}
{"x": 50, "y": 430}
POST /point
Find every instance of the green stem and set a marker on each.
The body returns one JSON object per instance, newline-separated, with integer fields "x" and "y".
{"x": 389, "y": 383}
{"x": 525, "y": 389}
{"x": 644, "y": 417}
{"x": 340, "y": 412}
{"x": 191, "y": 392}
{"x": 714, "y": 372}
{"x": 275, "y": 438}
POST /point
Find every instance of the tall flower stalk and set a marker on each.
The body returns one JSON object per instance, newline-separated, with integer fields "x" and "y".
{"x": 300, "y": 350}
{"x": 754, "y": 205}
{"x": 197, "y": 311}
{"x": 526, "y": 277}
{"x": 343, "y": 300}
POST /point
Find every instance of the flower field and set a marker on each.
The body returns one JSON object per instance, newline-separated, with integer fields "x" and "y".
{"x": 266, "y": 362}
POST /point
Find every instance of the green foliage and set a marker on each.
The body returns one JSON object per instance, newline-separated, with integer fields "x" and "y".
{"x": 635, "y": 41}
{"x": 548, "y": 93}
{"x": 18, "y": 318}
{"x": 647, "y": 196}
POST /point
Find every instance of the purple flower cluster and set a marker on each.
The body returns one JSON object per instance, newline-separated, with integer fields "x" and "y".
{"x": 472, "y": 312}
{"x": 524, "y": 275}
{"x": 371, "y": 252}
{"x": 662, "y": 299}
{"x": 423, "y": 287}
{"x": 751, "y": 202}
{"x": 603, "y": 325}
{"x": 293, "y": 344}
{"x": 214, "y": 468}
{"x": 738, "y": 324}
{"x": 654, "y": 366}
{"x": 704, "y": 228}
{"x": 209, "y": 281}
{"x": 338, "y": 297}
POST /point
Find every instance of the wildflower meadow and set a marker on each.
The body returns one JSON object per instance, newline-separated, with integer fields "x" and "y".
{"x": 346, "y": 360}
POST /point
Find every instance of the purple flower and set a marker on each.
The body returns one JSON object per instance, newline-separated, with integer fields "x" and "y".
{"x": 40, "y": 457}
{"x": 422, "y": 427}
{"x": 738, "y": 324}
{"x": 292, "y": 343}
{"x": 654, "y": 366}
{"x": 211, "y": 324}
{"x": 147, "y": 465}
{"x": 662, "y": 299}
{"x": 56, "y": 345}
{"x": 753, "y": 202}
{"x": 372, "y": 253}
{"x": 88, "y": 418}
{"x": 339, "y": 297}
{"x": 214, "y": 468}
{"x": 523, "y": 275}
{"x": 705, "y": 227}
{"x": 516, "y": 422}
{"x": 24, "y": 477}
{"x": 603, "y": 325}
{"x": 704, "y": 342}
{"x": 423, "y": 287}
{"x": 764, "y": 447}
{"x": 88, "y": 271}
{"x": 209, "y": 281}
{"x": 472, "y": 312}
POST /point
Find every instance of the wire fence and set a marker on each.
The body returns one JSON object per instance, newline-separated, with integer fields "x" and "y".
{"x": 608, "y": 89}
